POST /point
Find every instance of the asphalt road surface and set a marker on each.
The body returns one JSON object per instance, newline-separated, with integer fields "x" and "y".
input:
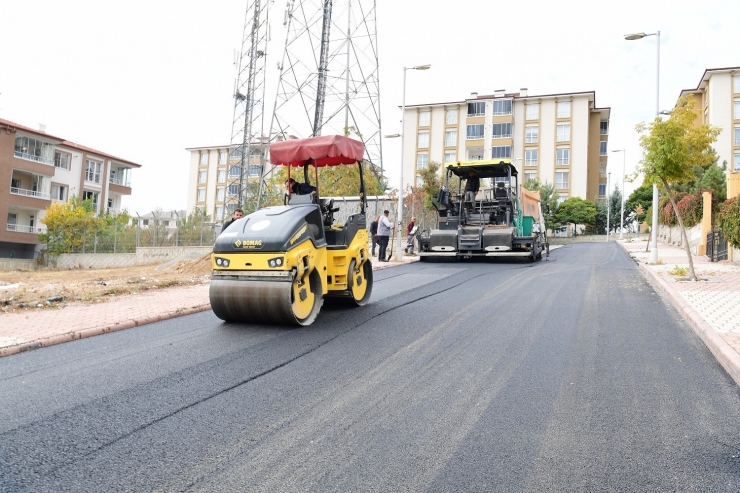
{"x": 566, "y": 375}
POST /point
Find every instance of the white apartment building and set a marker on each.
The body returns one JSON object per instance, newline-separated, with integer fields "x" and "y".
{"x": 558, "y": 138}
{"x": 213, "y": 183}
{"x": 717, "y": 99}
{"x": 38, "y": 169}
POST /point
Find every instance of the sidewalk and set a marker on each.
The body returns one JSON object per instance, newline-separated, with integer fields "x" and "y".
{"x": 711, "y": 305}
{"x": 41, "y": 327}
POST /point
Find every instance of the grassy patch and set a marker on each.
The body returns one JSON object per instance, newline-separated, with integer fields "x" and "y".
{"x": 678, "y": 271}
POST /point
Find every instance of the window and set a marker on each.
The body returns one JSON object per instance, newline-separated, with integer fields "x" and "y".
{"x": 564, "y": 109}
{"x": 58, "y": 192}
{"x": 736, "y": 84}
{"x": 477, "y": 108}
{"x": 255, "y": 170}
{"x": 450, "y": 157}
{"x": 34, "y": 149}
{"x": 419, "y": 181}
{"x": 61, "y": 160}
{"x": 221, "y": 176}
{"x": 563, "y": 134}
{"x": 475, "y": 157}
{"x": 451, "y": 138}
{"x": 233, "y": 190}
{"x": 501, "y": 152}
{"x": 424, "y": 118}
{"x": 501, "y": 130}
{"x": 604, "y": 127}
{"x": 235, "y": 171}
{"x": 530, "y": 157}
{"x": 562, "y": 156}
{"x": 737, "y": 136}
{"x": 220, "y": 194}
{"x": 422, "y": 160}
{"x": 92, "y": 171}
{"x": 533, "y": 111}
{"x": 451, "y": 117}
{"x": 201, "y": 177}
{"x": 602, "y": 190}
{"x": 602, "y": 148}
{"x": 737, "y": 109}
{"x": 561, "y": 180}
{"x": 475, "y": 132}
{"x": 110, "y": 203}
{"x": 502, "y": 107}
{"x": 221, "y": 157}
{"x": 529, "y": 176}
{"x": 12, "y": 221}
{"x": 736, "y": 167}
{"x": 201, "y": 194}
{"x": 422, "y": 141}
{"x": 531, "y": 133}
{"x": 91, "y": 196}
{"x": 203, "y": 158}
{"x": 219, "y": 213}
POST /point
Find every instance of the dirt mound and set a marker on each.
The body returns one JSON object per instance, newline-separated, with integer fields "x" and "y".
{"x": 50, "y": 289}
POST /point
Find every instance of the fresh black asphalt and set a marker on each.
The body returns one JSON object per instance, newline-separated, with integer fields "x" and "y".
{"x": 565, "y": 375}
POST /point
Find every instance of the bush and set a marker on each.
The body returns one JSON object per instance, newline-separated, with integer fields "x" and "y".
{"x": 691, "y": 208}
{"x": 729, "y": 220}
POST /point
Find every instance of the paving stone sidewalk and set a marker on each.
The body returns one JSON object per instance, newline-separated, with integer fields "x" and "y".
{"x": 40, "y": 327}
{"x": 710, "y": 305}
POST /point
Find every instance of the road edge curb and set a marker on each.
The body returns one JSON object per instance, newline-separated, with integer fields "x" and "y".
{"x": 102, "y": 329}
{"x": 727, "y": 357}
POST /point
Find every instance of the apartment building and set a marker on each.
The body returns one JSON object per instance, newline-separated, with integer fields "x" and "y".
{"x": 717, "y": 99}
{"x": 214, "y": 176}
{"x": 38, "y": 169}
{"x": 558, "y": 138}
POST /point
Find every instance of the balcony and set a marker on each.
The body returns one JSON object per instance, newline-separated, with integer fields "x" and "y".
{"x": 32, "y": 157}
{"x": 30, "y": 193}
{"x": 18, "y": 228}
{"x": 124, "y": 182}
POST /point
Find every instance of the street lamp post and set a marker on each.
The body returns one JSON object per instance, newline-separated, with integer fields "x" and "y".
{"x": 608, "y": 204}
{"x": 621, "y": 206}
{"x": 399, "y": 247}
{"x": 653, "y": 258}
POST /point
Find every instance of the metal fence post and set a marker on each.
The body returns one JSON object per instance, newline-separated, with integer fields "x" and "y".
{"x": 115, "y": 234}
{"x": 95, "y": 242}
{"x": 84, "y": 239}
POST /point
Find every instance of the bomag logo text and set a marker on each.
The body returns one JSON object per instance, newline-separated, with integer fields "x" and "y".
{"x": 248, "y": 243}
{"x": 298, "y": 234}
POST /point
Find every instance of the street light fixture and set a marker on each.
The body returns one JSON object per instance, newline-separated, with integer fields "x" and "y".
{"x": 399, "y": 247}
{"x": 621, "y": 207}
{"x": 653, "y": 258}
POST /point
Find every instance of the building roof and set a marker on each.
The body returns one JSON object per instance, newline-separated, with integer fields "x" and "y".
{"x": 512, "y": 95}
{"x": 66, "y": 143}
{"x": 705, "y": 79}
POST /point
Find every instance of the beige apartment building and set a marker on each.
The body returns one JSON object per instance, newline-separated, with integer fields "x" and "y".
{"x": 718, "y": 103}
{"x": 38, "y": 169}
{"x": 559, "y": 138}
{"x": 213, "y": 183}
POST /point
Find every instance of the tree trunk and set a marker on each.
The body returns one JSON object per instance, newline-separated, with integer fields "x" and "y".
{"x": 684, "y": 237}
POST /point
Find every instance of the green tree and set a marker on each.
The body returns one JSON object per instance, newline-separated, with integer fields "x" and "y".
{"x": 671, "y": 148}
{"x": 67, "y": 225}
{"x": 576, "y": 210}
{"x": 642, "y": 196}
{"x": 194, "y": 228}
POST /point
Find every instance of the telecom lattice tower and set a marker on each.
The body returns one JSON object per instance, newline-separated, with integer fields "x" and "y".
{"x": 329, "y": 82}
{"x": 247, "y": 150}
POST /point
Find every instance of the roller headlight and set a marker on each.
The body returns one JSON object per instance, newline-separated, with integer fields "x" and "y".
{"x": 222, "y": 262}
{"x": 275, "y": 262}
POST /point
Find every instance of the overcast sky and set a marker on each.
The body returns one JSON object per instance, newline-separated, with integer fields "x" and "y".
{"x": 143, "y": 80}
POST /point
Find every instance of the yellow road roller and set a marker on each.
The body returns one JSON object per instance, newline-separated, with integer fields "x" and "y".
{"x": 278, "y": 264}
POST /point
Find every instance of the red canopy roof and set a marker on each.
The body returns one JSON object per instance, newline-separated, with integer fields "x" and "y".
{"x": 329, "y": 150}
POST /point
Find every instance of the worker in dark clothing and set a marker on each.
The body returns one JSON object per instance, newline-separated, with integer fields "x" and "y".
{"x": 238, "y": 214}
{"x": 472, "y": 185}
{"x": 296, "y": 188}
{"x": 374, "y": 234}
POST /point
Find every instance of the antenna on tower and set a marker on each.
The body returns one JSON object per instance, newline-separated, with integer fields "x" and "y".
{"x": 246, "y": 151}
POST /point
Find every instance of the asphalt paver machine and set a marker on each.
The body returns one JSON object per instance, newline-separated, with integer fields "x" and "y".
{"x": 278, "y": 264}
{"x": 503, "y": 220}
